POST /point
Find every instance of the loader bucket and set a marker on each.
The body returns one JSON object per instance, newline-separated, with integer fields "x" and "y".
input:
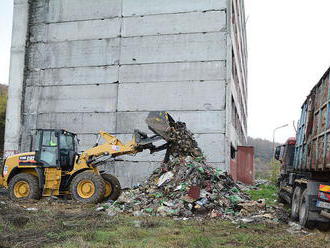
{"x": 159, "y": 122}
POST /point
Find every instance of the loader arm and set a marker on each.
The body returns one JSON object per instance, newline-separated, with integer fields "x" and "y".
{"x": 158, "y": 122}
{"x": 112, "y": 147}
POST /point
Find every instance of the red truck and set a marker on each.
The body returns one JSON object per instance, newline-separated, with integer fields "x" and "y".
{"x": 304, "y": 180}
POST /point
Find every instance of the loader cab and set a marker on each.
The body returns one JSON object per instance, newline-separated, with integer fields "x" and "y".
{"x": 55, "y": 148}
{"x": 285, "y": 154}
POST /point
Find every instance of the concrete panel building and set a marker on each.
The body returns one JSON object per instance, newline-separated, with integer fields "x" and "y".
{"x": 97, "y": 65}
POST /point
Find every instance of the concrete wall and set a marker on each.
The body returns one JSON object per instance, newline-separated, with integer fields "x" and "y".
{"x": 103, "y": 64}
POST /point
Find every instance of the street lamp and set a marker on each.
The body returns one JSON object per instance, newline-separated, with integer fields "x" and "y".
{"x": 274, "y": 135}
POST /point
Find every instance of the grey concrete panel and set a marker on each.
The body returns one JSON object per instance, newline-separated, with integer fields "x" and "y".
{"x": 13, "y": 115}
{"x": 144, "y": 156}
{"x": 31, "y": 100}
{"x": 79, "y": 30}
{"x": 16, "y": 2}
{"x": 78, "y": 122}
{"x": 145, "y": 7}
{"x": 213, "y": 146}
{"x": 30, "y": 122}
{"x": 173, "y": 48}
{"x": 86, "y": 141}
{"x": 72, "y": 10}
{"x": 171, "y": 96}
{"x": 16, "y": 77}
{"x": 197, "y": 121}
{"x": 74, "y": 53}
{"x": 131, "y": 173}
{"x": 72, "y": 76}
{"x": 90, "y": 98}
{"x": 220, "y": 166}
{"x": 166, "y": 72}
{"x": 20, "y": 25}
{"x": 174, "y": 23}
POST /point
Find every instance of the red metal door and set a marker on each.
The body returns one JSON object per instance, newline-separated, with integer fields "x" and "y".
{"x": 245, "y": 164}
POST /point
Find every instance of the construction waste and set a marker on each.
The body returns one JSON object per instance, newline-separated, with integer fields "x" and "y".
{"x": 186, "y": 186}
{"x": 183, "y": 187}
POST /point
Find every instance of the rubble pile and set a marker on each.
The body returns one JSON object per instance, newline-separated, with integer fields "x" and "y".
{"x": 182, "y": 142}
{"x": 186, "y": 186}
{"x": 183, "y": 187}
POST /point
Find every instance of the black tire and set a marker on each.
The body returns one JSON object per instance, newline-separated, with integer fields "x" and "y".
{"x": 304, "y": 218}
{"x": 91, "y": 179}
{"x": 280, "y": 198}
{"x": 115, "y": 185}
{"x": 295, "y": 203}
{"x": 33, "y": 190}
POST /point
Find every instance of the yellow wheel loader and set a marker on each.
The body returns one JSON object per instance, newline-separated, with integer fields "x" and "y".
{"x": 55, "y": 168}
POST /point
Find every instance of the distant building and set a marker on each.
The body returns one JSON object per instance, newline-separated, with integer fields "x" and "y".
{"x": 96, "y": 65}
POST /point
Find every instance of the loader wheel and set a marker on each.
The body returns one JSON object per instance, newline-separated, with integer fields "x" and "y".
{"x": 112, "y": 187}
{"x": 88, "y": 187}
{"x": 295, "y": 203}
{"x": 304, "y": 218}
{"x": 24, "y": 186}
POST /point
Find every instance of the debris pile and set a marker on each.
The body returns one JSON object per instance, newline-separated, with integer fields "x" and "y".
{"x": 183, "y": 187}
{"x": 186, "y": 186}
{"x": 181, "y": 141}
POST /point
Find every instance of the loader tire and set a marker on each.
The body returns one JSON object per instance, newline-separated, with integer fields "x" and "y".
{"x": 112, "y": 185}
{"x": 304, "y": 210}
{"x": 24, "y": 186}
{"x": 88, "y": 187}
{"x": 295, "y": 203}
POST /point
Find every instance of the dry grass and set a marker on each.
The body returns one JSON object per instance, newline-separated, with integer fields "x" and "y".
{"x": 74, "y": 225}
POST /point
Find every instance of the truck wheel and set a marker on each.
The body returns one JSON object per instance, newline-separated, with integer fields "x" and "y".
{"x": 280, "y": 198}
{"x": 295, "y": 203}
{"x": 304, "y": 218}
{"x": 24, "y": 186}
{"x": 88, "y": 187}
{"x": 112, "y": 187}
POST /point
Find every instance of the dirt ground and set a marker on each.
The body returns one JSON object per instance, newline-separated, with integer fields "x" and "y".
{"x": 59, "y": 223}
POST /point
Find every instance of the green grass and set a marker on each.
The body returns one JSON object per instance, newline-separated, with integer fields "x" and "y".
{"x": 80, "y": 226}
{"x": 194, "y": 234}
{"x": 267, "y": 192}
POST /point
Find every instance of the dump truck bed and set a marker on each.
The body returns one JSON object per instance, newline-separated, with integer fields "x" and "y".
{"x": 312, "y": 152}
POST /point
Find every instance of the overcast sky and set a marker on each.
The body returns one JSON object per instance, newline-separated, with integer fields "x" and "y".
{"x": 289, "y": 50}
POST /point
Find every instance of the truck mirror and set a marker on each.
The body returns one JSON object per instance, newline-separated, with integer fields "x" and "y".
{"x": 277, "y": 153}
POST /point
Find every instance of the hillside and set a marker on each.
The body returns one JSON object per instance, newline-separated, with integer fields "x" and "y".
{"x": 263, "y": 154}
{"x": 3, "y": 104}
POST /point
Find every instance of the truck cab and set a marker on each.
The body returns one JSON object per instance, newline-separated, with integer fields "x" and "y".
{"x": 308, "y": 193}
{"x": 285, "y": 154}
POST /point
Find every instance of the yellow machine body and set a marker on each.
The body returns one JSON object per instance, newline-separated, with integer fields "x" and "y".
{"x": 55, "y": 168}
{"x": 25, "y": 163}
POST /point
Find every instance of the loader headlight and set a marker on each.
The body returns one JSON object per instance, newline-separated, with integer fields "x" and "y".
{"x": 5, "y": 170}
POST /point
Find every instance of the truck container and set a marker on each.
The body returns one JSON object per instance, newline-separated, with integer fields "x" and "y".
{"x": 305, "y": 160}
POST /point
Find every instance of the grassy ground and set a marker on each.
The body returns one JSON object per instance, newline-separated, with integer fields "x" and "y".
{"x": 60, "y": 224}
{"x": 267, "y": 192}
{"x": 102, "y": 231}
